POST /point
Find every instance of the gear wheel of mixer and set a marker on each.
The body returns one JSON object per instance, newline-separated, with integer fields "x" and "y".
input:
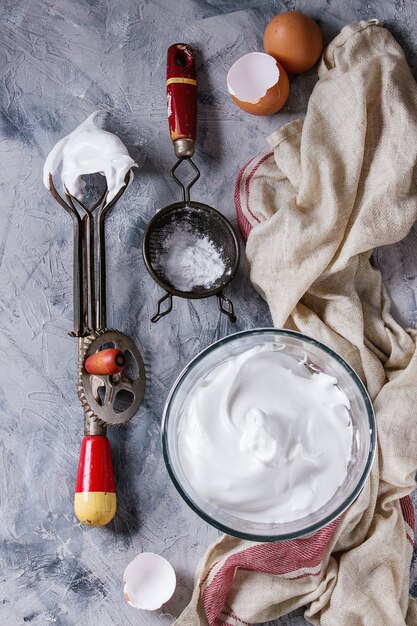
{"x": 110, "y": 399}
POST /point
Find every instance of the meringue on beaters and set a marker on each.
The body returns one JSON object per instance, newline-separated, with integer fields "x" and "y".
{"x": 89, "y": 150}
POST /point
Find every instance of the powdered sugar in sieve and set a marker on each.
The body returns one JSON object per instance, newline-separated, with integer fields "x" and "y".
{"x": 191, "y": 260}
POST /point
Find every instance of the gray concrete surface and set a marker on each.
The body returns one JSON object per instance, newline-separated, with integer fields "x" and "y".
{"x": 60, "y": 60}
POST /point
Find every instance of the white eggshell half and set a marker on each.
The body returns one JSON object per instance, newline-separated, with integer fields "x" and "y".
{"x": 149, "y": 581}
{"x": 251, "y": 76}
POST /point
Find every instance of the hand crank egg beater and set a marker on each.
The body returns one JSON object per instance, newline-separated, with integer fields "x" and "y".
{"x": 111, "y": 375}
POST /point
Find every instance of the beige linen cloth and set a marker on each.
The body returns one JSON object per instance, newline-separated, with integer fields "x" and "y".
{"x": 337, "y": 185}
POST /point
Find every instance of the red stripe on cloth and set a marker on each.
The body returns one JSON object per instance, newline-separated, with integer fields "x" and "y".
{"x": 235, "y": 617}
{"x": 244, "y": 225}
{"x": 242, "y": 221}
{"x": 407, "y": 510}
{"x": 239, "y": 620}
{"x": 249, "y": 178}
{"x": 208, "y": 573}
{"x": 281, "y": 557}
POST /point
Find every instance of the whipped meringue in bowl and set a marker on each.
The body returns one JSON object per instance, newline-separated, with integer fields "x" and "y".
{"x": 268, "y": 434}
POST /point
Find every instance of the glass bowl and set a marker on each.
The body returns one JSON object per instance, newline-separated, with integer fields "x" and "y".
{"x": 321, "y": 357}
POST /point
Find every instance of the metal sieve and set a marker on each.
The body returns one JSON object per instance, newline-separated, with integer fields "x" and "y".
{"x": 199, "y": 220}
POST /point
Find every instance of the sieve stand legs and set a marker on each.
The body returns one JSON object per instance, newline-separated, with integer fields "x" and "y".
{"x": 161, "y": 313}
{"x": 226, "y": 306}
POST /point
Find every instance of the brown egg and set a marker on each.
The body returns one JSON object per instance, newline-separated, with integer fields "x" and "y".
{"x": 295, "y": 40}
{"x": 258, "y": 84}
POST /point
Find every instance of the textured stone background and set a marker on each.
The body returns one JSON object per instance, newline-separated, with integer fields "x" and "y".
{"x": 60, "y": 60}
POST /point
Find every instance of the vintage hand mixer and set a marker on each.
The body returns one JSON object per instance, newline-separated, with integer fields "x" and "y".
{"x": 110, "y": 394}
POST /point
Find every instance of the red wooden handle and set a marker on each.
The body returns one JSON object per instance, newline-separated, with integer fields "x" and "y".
{"x": 95, "y": 491}
{"x": 181, "y": 92}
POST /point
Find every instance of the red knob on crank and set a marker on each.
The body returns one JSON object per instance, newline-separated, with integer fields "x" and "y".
{"x": 105, "y": 362}
{"x": 95, "y": 491}
{"x": 182, "y": 98}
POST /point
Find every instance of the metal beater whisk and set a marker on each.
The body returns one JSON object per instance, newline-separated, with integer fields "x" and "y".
{"x": 111, "y": 375}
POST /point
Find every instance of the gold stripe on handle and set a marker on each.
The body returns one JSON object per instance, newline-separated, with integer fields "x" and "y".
{"x": 184, "y": 81}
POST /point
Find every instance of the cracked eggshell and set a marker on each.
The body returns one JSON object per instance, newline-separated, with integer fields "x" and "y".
{"x": 258, "y": 84}
{"x": 149, "y": 581}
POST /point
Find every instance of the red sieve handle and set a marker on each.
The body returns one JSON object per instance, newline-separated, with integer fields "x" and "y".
{"x": 182, "y": 98}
